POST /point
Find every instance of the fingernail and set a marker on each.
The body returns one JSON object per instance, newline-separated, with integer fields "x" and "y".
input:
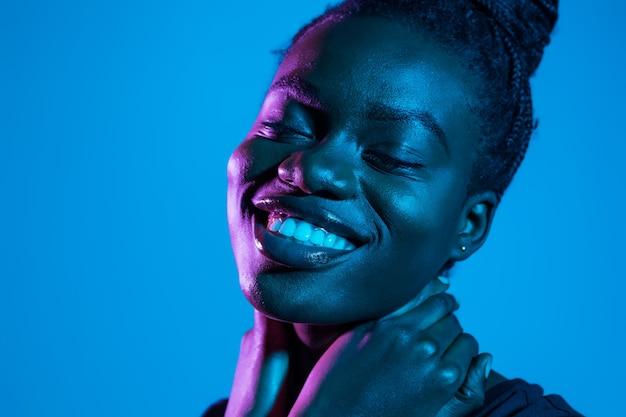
{"x": 488, "y": 363}
{"x": 444, "y": 280}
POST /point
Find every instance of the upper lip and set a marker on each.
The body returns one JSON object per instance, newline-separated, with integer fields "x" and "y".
{"x": 311, "y": 209}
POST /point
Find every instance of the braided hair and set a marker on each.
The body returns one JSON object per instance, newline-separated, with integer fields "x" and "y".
{"x": 500, "y": 40}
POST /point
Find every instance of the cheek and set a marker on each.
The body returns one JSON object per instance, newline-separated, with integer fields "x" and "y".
{"x": 242, "y": 170}
{"x": 256, "y": 158}
{"x": 239, "y": 164}
{"x": 408, "y": 212}
{"x": 236, "y": 167}
{"x": 422, "y": 226}
{"x": 419, "y": 232}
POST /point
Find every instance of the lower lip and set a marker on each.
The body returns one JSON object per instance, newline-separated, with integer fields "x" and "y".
{"x": 292, "y": 254}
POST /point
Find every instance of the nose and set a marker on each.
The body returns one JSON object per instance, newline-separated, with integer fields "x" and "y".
{"x": 322, "y": 170}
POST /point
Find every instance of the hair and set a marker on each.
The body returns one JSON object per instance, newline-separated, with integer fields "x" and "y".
{"x": 500, "y": 40}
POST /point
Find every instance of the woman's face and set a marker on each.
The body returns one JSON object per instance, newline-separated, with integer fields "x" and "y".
{"x": 348, "y": 195}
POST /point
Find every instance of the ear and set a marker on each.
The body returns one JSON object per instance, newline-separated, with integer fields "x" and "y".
{"x": 474, "y": 224}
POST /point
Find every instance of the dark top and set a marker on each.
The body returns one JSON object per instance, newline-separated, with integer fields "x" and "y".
{"x": 518, "y": 398}
{"x": 513, "y": 398}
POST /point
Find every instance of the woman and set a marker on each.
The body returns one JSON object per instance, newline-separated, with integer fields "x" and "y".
{"x": 377, "y": 161}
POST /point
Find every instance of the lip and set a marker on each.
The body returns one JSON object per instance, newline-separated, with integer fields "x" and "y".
{"x": 308, "y": 209}
{"x": 292, "y": 254}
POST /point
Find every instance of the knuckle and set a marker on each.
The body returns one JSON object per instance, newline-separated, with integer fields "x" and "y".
{"x": 446, "y": 302}
{"x": 427, "y": 347}
{"x": 404, "y": 335}
{"x": 451, "y": 374}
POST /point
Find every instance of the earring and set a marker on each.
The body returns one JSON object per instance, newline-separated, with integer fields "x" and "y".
{"x": 463, "y": 248}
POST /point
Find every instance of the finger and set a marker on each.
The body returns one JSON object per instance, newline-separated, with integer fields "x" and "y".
{"x": 273, "y": 374}
{"x": 462, "y": 350}
{"x": 426, "y": 314}
{"x": 435, "y": 286}
{"x": 476, "y": 380}
{"x": 437, "y": 339}
{"x": 459, "y": 357}
{"x": 471, "y": 395}
{"x": 258, "y": 379}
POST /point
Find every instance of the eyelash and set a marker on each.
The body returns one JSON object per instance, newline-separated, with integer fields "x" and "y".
{"x": 387, "y": 163}
{"x": 281, "y": 132}
{"x": 381, "y": 161}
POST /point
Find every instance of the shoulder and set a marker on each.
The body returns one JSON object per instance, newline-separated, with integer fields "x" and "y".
{"x": 509, "y": 398}
{"x": 518, "y": 398}
{"x": 216, "y": 410}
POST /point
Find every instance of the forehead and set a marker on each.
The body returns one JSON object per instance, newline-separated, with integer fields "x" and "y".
{"x": 363, "y": 60}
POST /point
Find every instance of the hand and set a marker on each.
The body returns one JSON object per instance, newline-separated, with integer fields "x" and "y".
{"x": 471, "y": 395}
{"x": 413, "y": 362}
{"x": 261, "y": 368}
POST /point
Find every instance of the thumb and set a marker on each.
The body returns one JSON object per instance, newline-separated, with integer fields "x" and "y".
{"x": 435, "y": 286}
{"x": 471, "y": 394}
{"x": 258, "y": 381}
{"x": 273, "y": 373}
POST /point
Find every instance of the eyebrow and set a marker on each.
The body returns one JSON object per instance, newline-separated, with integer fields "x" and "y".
{"x": 384, "y": 113}
{"x": 300, "y": 90}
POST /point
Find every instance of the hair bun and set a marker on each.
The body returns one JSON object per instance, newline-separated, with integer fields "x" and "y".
{"x": 529, "y": 23}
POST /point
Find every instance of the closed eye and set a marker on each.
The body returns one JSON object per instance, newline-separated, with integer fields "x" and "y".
{"x": 281, "y": 132}
{"x": 388, "y": 163}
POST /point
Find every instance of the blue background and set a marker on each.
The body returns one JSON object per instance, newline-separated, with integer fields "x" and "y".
{"x": 118, "y": 291}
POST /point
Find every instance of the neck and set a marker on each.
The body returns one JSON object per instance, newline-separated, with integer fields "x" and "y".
{"x": 307, "y": 344}
{"x": 311, "y": 341}
{"x": 317, "y": 338}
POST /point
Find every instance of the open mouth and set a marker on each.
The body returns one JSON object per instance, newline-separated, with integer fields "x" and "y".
{"x": 305, "y": 233}
{"x": 302, "y": 232}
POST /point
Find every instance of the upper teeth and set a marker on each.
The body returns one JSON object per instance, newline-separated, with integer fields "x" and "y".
{"x": 306, "y": 233}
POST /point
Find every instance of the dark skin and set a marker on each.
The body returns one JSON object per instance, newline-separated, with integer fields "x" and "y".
{"x": 386, "y": 168}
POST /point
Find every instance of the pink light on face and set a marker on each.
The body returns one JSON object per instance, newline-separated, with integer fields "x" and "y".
{"x": 322, "y": 151}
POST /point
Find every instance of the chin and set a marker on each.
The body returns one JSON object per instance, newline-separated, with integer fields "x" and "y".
{"x": 293, "y": 297}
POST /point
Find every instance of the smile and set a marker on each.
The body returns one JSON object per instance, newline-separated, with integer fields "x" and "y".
{"x": 305, "y": 233}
